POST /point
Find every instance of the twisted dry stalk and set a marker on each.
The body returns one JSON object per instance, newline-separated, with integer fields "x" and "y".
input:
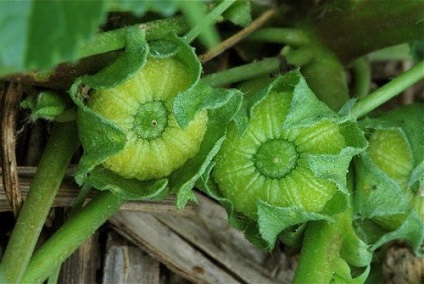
{"x": 9, "y": 99}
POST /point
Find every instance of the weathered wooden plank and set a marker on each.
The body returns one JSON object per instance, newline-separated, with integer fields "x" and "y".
{"x": 209, "y": 234}
{"x": 166, "y": 246}
{"x": 208, "y": 230}
{"x": 82, "y": 265}
{"x": 126, "y": 263}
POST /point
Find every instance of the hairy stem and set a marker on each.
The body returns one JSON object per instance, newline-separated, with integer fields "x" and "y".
{"x": 50, "y": 172}
{"x": 116, "y": 39}
{"x": 289, "y": 36}
{"x": 320, "y": 250}
{"x": 361, "y": 70}
{"x": 388, "y": 91}
{"x": 243, "y": 72}
{"x": 193, "y": 11}
{"x": 71, "y": 235}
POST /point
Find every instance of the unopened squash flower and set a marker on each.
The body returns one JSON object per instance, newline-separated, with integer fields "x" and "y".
{"x": 142, "y": 106}
{"x": 290, "y": 164}
{"x": 131, "y": 139}
{"x": 152, "y": 131}
{"x": 389, "y": 198}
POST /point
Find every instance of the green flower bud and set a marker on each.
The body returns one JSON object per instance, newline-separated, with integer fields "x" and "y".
{"x": 142, "y": 107}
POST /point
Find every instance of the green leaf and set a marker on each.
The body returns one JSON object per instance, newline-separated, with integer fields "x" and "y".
{"x": 39, "y": 34}
{"x": 239, "y": 13}
{"x": 129, "y": 62}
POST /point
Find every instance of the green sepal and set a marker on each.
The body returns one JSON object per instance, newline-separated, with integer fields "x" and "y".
{"x": 186, "y": 54}
{"x": 130, "y": 61}
{"x": 163, "y": 48}
{"x": 201, "y": 97}
{"x": 377, "y": 195}
{"x": 273, "y": 220}
{"x": 50, "y": 106}
{"x": 343, "y": 274}
{"x": 127, "y": 189}
{"x": 407, "y": 119}
{"x": 236, "y": 219}
{"x": 183, "y": 179}
{"x": 354, "y": 250}
{"x": 92, "y": 129}
{"x": 417, "y": 178}
{"x": 411, "y": 231}
{"x": 292, "y": 237}
{"x": 385, "y": 208}
{"x": 220, "y": 114}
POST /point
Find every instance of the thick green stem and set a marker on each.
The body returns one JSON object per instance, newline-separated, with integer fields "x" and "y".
{"x": 193, "y": 11}
{"x": 71, "y": 235}
{"x": 289, "y": 36}
{"x": 320, "y": 251}
{"x": 50, "y": 172}
{"x": 77, "y": 205}
{"x": 388, "y": 91}
{"x": 244, "y": 72}
{"x": 362, "y": 77}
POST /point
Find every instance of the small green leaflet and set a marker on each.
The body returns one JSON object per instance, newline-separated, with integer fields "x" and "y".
{"x": 39, "y": 34}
